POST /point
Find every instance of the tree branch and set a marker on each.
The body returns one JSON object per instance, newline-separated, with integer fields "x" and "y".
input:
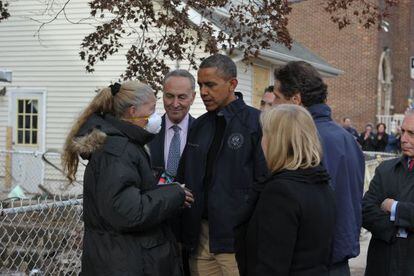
{"x": 4, "y": 12}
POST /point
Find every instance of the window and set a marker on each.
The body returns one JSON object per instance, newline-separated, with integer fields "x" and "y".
{"x": 27, "y": 122}
{"x": 261, "y": 80}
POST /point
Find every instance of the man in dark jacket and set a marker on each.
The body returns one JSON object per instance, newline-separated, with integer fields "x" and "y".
{"x": 347, "y": 125}
{"x": 299, "y": 83}
{"x": 222, "y": 159}
{"x": 388, "y": 208}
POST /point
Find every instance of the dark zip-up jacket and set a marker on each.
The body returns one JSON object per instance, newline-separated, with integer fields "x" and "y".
{"x": 344, "y": 161}
{"x": 239, "y": 162}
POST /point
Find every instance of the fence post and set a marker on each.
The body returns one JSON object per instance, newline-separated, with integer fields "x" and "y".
{"x": 8, "y": 164}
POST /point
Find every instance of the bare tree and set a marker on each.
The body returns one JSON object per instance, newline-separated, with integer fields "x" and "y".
{"x": 4, "y": 13}
{"x": 364, "y": 12}
{"x": 177, "y": 29}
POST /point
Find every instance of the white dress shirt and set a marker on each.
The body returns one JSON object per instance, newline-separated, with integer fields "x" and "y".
{"x": 169, "y": 133}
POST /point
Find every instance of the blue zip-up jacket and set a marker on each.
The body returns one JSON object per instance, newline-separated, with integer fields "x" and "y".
{"x": 344, "y": 161}
{"x": 239, "y": 162}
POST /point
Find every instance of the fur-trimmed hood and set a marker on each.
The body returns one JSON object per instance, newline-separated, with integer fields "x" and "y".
{"x": 85, "y": 145}
{"x": 92, "y": 135}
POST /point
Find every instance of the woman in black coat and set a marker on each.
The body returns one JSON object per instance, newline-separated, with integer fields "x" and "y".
{"x": 367, "y": 139}
{"x": 381, "y": 138}
{"x": 123, "y": 209}
{"x": 288, "y": 227}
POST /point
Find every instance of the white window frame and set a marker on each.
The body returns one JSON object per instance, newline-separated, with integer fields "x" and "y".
{"x": 42, "y": 114}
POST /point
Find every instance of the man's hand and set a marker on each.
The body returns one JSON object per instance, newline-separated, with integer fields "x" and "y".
{"x": 387, "y": 204}
{"x": 189, "y": 198}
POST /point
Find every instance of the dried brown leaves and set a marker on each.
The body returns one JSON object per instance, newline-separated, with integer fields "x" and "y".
{"x": 4, "y": 13}
{"x": 364, "y": 12}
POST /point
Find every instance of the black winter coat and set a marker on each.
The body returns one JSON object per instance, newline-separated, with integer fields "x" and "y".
{"x": 381, "y": 143}
{"x": 367, "y": 144}
{"x": 239, "y": 162}
{"x": 387, "y": 254}
{"x": 288, "y": 227}
{"x": 124, "y": 211}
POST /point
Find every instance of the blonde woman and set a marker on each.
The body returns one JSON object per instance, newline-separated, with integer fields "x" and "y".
{"x": 123, "y": 210}
{"x": 289, "y": 226}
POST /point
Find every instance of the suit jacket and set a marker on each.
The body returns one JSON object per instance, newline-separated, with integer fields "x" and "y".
{"x": 387, "y": 254}
{"x": 156, "y": 146}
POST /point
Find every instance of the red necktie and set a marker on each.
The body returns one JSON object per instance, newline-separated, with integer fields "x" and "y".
{"x": 411, "y": 164}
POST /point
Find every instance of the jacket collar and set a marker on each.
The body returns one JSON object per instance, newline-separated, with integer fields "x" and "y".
{"x": 402, "y": 161}
{"x": 310, "y": 175}
{"x": 320, "y": 112}
{"x": 135, "y": 134}
{"x": 234, "y": 107}
{"x": 98, "y": 127}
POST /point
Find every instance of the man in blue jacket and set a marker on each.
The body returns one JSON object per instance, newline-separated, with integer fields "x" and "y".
{"x": 299, "y": 83}
{"x": 222, "y": 159}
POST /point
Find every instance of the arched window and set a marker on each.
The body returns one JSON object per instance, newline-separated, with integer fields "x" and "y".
{"x": 384, "y": 92}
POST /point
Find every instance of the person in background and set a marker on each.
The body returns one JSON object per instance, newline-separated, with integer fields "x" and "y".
{"x": 298, "y": 82}
{"x": 367, "y": 139}
{"x": 381, "y": 138}
{"x": 347, "y": 125}
{"x": 291, "y": 219}
{"x": 222, "y": 159}
{"x": 124, "y": 210}
{"x": 388, "y": 208}
{"x": 267, "y": 99}
{"x": 394, "y": 141}
{"x": 168, "y": 145}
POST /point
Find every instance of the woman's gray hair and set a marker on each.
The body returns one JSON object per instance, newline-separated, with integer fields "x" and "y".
{"x": 132, "y": 93}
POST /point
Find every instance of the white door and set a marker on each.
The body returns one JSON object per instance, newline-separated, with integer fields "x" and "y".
{"x": 28, "y": 127}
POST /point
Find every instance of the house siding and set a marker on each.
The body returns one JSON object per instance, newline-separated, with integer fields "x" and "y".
{"x": 51, "y": 61}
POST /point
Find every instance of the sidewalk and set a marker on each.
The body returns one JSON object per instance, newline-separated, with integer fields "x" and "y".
{"x": 357, "y": 264}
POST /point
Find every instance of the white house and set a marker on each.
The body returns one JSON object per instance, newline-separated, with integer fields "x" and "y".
{"x": 50, "y": 86}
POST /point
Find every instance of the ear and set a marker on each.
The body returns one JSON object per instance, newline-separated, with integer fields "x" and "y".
{"x": 130, "y": 112}
{"x": 233, "y": 84}
{"x": 193, "y": 95}
{"x": 296, "y": 99}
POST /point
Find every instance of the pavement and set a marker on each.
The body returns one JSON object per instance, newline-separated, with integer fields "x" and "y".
{"x": 358, "y": 264}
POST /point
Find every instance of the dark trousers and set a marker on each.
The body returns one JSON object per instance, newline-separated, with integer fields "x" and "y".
{"x": 340, "y": 269}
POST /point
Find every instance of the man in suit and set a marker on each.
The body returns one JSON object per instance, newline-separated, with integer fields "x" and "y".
{"x": 166, "y": 148}
{"x": 178, "y": 96}
{"x": 388, "y": 208}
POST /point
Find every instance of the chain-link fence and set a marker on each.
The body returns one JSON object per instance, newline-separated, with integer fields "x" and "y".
{"x": 44, "y": 237}
{"x": 36, "y": 173}
{"x": 41, "y": 237}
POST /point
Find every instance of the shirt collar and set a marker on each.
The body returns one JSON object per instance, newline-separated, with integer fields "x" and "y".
{"x": 183, "y": 124}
